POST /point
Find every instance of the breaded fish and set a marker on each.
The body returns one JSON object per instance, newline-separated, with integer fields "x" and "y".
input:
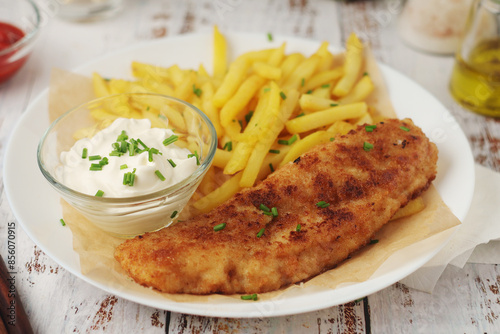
{"x": 299, "y": 222}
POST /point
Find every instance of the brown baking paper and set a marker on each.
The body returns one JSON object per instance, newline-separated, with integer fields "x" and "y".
{"x": 95, "y": 247}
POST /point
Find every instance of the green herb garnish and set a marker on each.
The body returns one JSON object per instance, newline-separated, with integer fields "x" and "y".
{"x": 250, "y": 297}
{"x": 274, "y": 151}
{"x": 322, "y": 204}
{"x": 370, "y": 128}
{"x": 84, "y": 153}
{"x": 261, "y": 232}
{"x": 367, "y": 146}
{"x": 160, "y": 175}
{"x": 298, "y": 227}
{"x": 99, "y": 193}
{"x": 63, "y": 223}
{"x": 404, "y": 128}
{"x": 283, "y": 96}
{"x": 290, "y": 141}
{"x": 219, "y": 227}
{"x": 170, "y": 140}
{"x": 197, "y": 91}
{"x": 228, "y": 146}
{"x": 173, "y": 214}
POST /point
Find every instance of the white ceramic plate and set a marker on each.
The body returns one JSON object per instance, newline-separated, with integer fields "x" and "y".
{"x": 37, "y": 208}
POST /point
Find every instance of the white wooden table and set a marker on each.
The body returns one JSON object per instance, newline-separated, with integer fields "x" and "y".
{"x": 465, "y": 300}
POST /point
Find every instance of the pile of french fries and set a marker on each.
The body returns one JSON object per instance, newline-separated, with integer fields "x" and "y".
{"x": 268, "y": 107}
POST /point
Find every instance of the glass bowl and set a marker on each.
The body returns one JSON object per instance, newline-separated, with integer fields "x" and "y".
{"x": 134, "y": 214}
{"x": 19, "y": 25}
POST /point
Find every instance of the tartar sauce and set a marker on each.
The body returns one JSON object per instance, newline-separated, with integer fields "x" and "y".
{"x": 128, "y": 158}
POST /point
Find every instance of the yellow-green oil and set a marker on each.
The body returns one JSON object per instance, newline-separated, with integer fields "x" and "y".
{"x": 475, "y": 81}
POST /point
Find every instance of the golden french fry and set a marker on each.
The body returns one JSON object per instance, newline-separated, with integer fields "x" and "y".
{"x": 414, "y": 206}
{"x": 272, "y": 162}
{"x": 302, "y": 73}
{"x": 221, "y": 158}
{"x": 325, "y": 117}
{"x": 252, "y": 169}
{"x": 257, "y": 127}
{"x": 100, "y": 85}
{"x": 322, "y": 91}
{"x": 365, "y": 119}
{"x": 240, "y": 99}
{"x": 322, "y": 78}
{"x": 149, "y": 72}
{"x": 289, "y": 65}
{"x": 219, "y": 195}
{"x": 340, "y": 127}
{"x": 305, "y": 144}
{"x": 267, "y": 71}
{"x": 309, "y": 102}
{"x": 231, "y": 82}
{"x": 220, "y": 54}
{"x": 209, "y": 108}
{"x": 363, "y": 88}
{"x": 277, "y": 56}
{"x": 352, "y": 66}
{"x": 175, "y": 74}
{"x": 187, "y": 87}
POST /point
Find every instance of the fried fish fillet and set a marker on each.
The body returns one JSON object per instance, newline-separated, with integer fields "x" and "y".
{"x": 329, "y": 203}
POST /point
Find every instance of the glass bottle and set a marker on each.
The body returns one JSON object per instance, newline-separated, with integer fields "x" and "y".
{"x": 475, "y": 80}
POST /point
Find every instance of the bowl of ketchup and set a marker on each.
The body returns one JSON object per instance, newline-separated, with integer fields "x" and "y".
{"x": 19, "y": 26}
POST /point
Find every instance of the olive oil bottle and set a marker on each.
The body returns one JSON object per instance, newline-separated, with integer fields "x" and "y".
{"x": 475, "y": 80}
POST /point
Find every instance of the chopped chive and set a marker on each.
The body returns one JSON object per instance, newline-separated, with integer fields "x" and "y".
{"x": 322, "y": 204}
{"x": 325, "y": 86}
{"x": 303, "y": 82}
{"x": 271, "y": 167}
{"x": 95, "y": 157}
{"x": 147, "y": 109}
{"x": 332, "y": 139}
{"x": 248, "y": 116}
{"x": 172, "y": 163}
{"x": 264, "y": 208}
{"x": 301, "y": 114}
{"x": 163, "y": 117}
{"x": 274, "y": 151}
{"x": 84, "y": 153}
{"x": 95, "y": 167}
{"x": 333, "y": 104}
{"x": 250, "y": 297}
{"x": 160, "y": 175}
{"x": 99, "y": 193}
{"x": 241, "y": 123}
{"x": 267, "y": 89}
{"x": 274, "y": 211}
{"x": 404, "y": 128}
{"x": 373, "y": 241}
{"x": 129, "y": 178}
{"x": 269, "y": 37}
{"x": 370, "y": 128}
{"x": 170, "y": 140}
{"x": 283, "y": 96}
{"x": 104, "y": 161}
{"x": 219, "y": 227}
{"x": 195, "y": 154}
{"x": 63, "y": 223}
{"x": 366, "y": 73}
{"x": 228, "y": 146}
{"x": 309, "y": 91}
{"x": 298, "y": 227}
{"x": 197, "y": 91}
{"x": 261, "y": 232}
{"x": 124, "y": 166}
{"x": 142, "y": 143}
{"x": 290, "y": 141}
{"x": 367, "y": 146}
{"x": 173, "y": 214}
{"x": 122, "y": 136}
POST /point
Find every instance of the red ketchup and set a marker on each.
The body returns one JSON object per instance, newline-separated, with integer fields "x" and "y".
{"x": 9, "y": 35}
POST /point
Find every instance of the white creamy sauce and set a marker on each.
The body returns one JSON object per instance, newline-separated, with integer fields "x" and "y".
{"x": 75, "y": 172}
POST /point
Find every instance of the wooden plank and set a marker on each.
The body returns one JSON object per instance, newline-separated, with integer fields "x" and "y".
{"x": 464, "y": 301}
{"x": 347, "y": 318}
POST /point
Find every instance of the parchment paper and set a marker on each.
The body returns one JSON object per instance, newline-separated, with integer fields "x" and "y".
{"x": 95, "y": 247}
